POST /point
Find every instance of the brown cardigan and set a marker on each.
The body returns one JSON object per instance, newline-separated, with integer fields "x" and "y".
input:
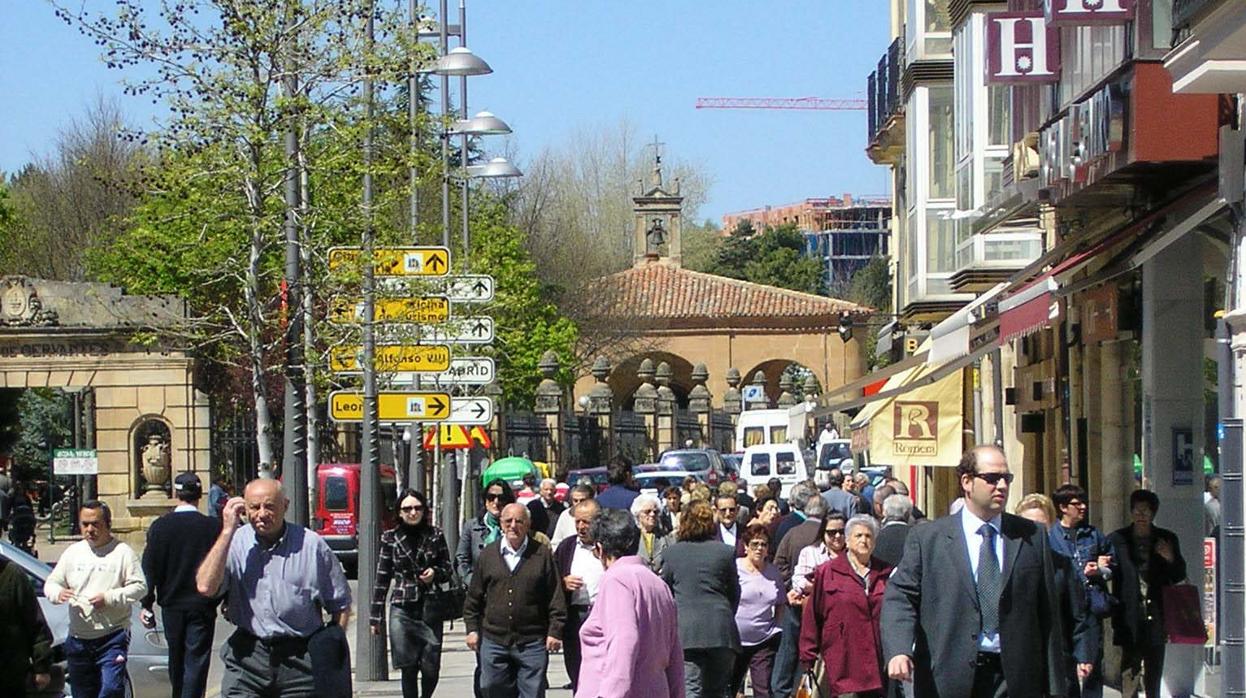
{"x": 512, "y": 608}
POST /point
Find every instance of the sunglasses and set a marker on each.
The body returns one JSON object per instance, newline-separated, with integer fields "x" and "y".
{"x": 412, "y": 508}
{"x": 758, "y": 545}
{"x": 993, "y": 479}
{"x": 491, "y": 496}
{"x": 833, "y": 532}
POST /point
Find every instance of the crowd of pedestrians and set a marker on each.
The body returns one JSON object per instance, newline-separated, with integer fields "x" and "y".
{"x": 693, "y": 592}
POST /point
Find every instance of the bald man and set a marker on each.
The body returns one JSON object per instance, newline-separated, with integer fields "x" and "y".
{"x": 279, "y": 580}
{"x": 515, "y": 610}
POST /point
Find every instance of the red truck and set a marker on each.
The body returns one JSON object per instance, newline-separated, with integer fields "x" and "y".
{"x": 337, "y": 508}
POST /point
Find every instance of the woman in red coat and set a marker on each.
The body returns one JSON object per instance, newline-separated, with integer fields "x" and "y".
{"x": 840, "y": 622}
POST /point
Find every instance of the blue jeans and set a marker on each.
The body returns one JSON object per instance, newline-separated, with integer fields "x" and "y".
{"x": 513, "y": 671}
{"x": 787, "y": 658}
{"x": 97, "y": 666}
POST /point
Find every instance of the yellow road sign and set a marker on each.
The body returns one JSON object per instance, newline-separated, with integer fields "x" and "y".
{"x": 428, "y": 310}
{"x": 391, "y": 407}
{"x": 389, "y": 359}
{"x": 395, "y": 261}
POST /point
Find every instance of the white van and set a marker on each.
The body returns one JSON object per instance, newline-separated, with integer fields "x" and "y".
{"x": 784, "y": 461}
{"x": 757, "y": 427}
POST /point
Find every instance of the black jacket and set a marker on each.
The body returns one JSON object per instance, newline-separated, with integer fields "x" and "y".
{"x": 544, "y": 518}
{"x": 25, "y": 641}
{"x": 176, "y": 543}
{"x": 930, "y": 611}
{"x": 1129, "y": 621}
{"x": 890, "y": 545}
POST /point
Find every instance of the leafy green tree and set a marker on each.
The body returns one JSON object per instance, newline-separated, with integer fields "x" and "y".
{"x": 737, "y": 251}
{"x": 44, "y": 426}
{"x": 701, "y": 244}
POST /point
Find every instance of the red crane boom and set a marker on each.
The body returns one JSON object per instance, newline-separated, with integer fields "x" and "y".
{"x": 781, "y": 103}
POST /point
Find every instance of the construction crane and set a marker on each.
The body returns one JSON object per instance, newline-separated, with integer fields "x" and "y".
{"x": 818, "y": 103}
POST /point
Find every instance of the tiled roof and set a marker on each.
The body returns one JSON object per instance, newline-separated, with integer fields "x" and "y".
{"x": 659, "y": 293}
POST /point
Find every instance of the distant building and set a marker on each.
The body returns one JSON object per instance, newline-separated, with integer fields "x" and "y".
{"x": 844, "y": 232}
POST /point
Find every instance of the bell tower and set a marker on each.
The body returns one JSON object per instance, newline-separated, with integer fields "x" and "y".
{"x": 657, "y": 232}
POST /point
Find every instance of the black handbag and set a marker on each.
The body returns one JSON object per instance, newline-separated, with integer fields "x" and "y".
{"x": 443, "y": 601}
{"x": 1100, "y": 601}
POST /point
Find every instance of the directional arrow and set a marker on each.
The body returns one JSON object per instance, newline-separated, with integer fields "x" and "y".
{"x": 436, "y": 405}
{"x": 436, "y": 262}
{"x": 347, "y": 406}
{"x": 471, "y": 410}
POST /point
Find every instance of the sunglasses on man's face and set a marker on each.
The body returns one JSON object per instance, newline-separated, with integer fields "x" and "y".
{"x": 994, "y": 479}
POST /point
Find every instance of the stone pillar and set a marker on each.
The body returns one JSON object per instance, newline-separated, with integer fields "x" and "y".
{"x": 1172, "y": 414}
{"x": 549, "y": 405}
{"x": 645, "y": 404}
{"x": 668, "y": 429}
{"x": 786, "y": 398}
{"x": 699, "y": 404}
{"x": 601, "y": 406}
{"x": 732, "y": 403}
{"x": 761, "y": 402}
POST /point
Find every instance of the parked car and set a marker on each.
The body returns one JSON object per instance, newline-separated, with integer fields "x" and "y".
{"x": 650, "y": 482}
{"x": 784, "y": 461}
{"x": 734, "y": 463}
{"x": 148, "y": 660}
{"x": 596, "y": 475}
{"x": 337, "y": 508}
{"x": 705, "y": 463}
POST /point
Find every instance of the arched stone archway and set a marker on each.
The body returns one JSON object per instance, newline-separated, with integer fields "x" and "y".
{"x": 773, "y": 370}
{"x": 623, "y": 380}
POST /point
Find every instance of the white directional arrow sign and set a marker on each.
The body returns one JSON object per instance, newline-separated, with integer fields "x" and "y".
{"x": 469, "y": 288}
{"x": 471, "y": 410}
{"x": 467, "y": 370}
{"x": 468, "y": 330}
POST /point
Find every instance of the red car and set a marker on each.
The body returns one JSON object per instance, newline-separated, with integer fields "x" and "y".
{"x": 337, "y": 508}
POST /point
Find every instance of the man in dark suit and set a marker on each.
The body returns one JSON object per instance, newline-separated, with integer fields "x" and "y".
{"x": 972, "y": 608}
{"x": 729, "y": 528}
{"x": 545, "y": 508}
{"x": 895, "y": 511}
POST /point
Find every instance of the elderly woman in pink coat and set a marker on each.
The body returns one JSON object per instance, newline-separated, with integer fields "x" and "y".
{"x": 630, "y": 640}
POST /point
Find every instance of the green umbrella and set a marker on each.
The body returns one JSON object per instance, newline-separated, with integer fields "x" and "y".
{"x": 509, "y": 469}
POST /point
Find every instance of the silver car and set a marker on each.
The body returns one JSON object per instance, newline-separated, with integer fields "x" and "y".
{"x": 148, "y": 662}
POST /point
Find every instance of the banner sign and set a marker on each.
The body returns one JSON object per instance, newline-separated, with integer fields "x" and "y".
{"x": 1021, "y": 49}
{"x": 1080, "y": 13}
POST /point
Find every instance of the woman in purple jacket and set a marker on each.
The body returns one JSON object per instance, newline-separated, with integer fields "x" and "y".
{"x": 840, "y": 622}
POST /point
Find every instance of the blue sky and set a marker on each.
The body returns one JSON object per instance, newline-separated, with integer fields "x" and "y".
{"x": 561, "y": 67}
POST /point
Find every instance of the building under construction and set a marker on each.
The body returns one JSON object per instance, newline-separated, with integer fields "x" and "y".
{"x": 844, "y": 232}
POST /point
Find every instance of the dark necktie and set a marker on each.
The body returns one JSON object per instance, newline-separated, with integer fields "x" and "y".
{"x": 989, "y": 581}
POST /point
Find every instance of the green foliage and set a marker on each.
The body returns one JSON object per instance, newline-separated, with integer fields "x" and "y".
{"x": 701, "y": 244}
{"x": 45, "y": 425}
{"x": 775, "y": 258}
{"x": 526, "y": 321}
{"x": 871, "y": 285}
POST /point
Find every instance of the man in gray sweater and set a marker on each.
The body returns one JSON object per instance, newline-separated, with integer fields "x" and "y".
{"x": 100, "y": 578}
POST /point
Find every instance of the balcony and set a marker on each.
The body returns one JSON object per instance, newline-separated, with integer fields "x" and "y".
{"x": 986, "y": 259}
{"x": 1211, "y": 58}
{"x": 885, "y": 123}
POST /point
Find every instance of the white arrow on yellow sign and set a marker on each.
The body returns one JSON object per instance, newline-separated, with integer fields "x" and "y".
{"x": 347, "y": 406}
{"x": 428, "y": 310}
{"x": 389, "y": 359}
{"x": 395, "y": 261}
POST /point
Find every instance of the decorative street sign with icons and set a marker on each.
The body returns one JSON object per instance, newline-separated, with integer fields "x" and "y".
{"x": 395, "y": 261}
{"x": 423, "y": 310}
{"x": 75, "y": 461}
{"x": 388, "y": 359}
{"x": 468, "y": 370}
{"x": 468, "y": 330}
{"x": 347, "y": 406}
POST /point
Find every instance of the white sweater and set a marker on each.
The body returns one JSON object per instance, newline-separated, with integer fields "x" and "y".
{"x": 113, "y": 570}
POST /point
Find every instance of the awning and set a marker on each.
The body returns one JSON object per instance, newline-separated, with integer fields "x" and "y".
{"x": 1029, "y": 310}
{"x": 950, "y": 338}
{"x": 918, "y": 418}
{"x": 923, "y": 374}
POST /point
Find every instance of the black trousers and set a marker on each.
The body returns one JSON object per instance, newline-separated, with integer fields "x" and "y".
{"x": 988, "y": 677}
{"x": 571, "y": 654}
{"x": 189, "y": 634}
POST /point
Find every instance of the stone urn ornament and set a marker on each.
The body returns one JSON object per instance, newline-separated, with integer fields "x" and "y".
{"x": 156, "y": 458}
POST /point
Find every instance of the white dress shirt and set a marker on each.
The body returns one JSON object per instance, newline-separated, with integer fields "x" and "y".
{"x": 973, "y": 541}
{"x": 729, "y": 534}
{"x": 512, "y": 556}
{"x": 586, "y": 566}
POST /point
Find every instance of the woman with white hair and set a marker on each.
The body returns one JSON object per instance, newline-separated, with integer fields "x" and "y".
{"x": 841, "y": 623}
{"x": 645, "y": 509}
